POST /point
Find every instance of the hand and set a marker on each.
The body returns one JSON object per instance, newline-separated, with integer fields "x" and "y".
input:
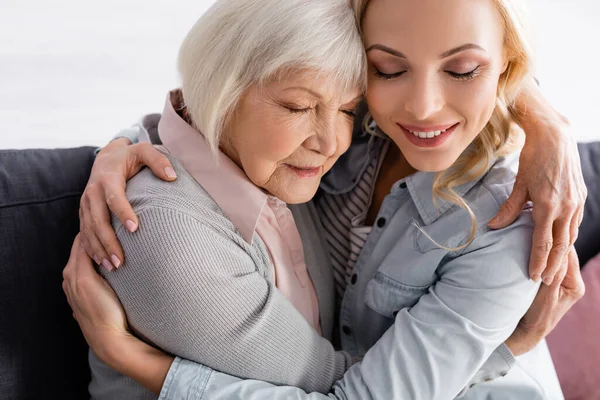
{"x": 549, "y": 175}
{"x": 105, "y": 192}
{"x": 549, "y": 306}
{"x": 95, "y": 305}
{"x": 103, "y": 323}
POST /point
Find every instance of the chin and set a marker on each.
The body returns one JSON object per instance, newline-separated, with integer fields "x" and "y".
{"x": 430, "y": 163}
{"x": 298, "y": 195}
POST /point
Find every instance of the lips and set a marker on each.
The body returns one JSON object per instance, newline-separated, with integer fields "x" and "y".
{"x": 305, "y": 172}
{"x": 428, "y": 136}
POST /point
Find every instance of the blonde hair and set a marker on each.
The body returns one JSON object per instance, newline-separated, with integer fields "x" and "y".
{"x": 239, "y": 43}
{"x": 500, "y": 134}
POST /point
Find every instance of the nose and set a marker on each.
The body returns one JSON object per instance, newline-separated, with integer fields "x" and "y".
{"x": 324, "y": 139}
{"x": 425, "y": 98}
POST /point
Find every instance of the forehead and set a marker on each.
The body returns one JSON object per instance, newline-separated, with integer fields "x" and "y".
{"x": 427, "y": 26}
{"x": 318, "y": 84}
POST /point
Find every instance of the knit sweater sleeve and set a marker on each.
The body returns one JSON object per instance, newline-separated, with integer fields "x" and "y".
{"x": 193, "y": 290}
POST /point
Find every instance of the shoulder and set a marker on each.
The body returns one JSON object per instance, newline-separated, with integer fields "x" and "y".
{"x": 184, "y": 202}
{"x": 487, "y": 196}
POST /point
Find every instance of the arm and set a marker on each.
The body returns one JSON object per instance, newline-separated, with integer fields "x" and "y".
{"x": 433, "y": 349}
{"x": 102, "y": 321}
{"x": 549, "y": 175}
{"x": 196, "y": 293}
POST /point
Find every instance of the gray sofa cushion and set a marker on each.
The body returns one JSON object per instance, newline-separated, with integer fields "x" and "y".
{"x": 588, "y": 243}
{"x": 42, "y": 352}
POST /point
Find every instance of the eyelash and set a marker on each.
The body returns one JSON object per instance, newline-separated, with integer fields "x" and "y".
{"x": 348, "y": 113}
{"x": 466, "y": 76}
{"x": 462, "y": 77}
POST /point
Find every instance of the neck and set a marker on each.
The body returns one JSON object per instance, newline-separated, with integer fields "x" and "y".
{"x": 394, "y": 168}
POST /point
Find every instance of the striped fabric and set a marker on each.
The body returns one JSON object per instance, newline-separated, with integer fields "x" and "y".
{"x": 343, "y": 218}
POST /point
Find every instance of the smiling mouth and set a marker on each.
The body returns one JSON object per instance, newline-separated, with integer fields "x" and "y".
{"x": 427, "y": 133}
{"x": 428, "y": 136}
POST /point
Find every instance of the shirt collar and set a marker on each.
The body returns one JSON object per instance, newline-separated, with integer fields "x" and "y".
{"x": 420, "y": 187}
{"x": 225, "y": 182}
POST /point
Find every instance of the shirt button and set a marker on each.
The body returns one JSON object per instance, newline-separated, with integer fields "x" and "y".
{"x": 346, "y": 329}
{"x": 403, "y": 185}
{"x": 353, "y": 279}
{"x": 381, "y": 222}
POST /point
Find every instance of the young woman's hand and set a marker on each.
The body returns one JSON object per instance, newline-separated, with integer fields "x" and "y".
{"x": 550, "y": 176}
{"x": 95, "y": 305}
{"x": 550, "y": 305}
{"x": 105, "y": 192}
{"x": 103, "y": 323}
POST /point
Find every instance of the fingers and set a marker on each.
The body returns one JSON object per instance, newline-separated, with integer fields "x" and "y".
{"x": 68, "y": 271}
{"x": 573, "y": 281}
{"x": 512, "y": 207}
{"x": 542, "y": 243}
{"x": 574, "y": 228}
{"x": 159, "y": 164}
{"x": 85, "y": 267}
{"x": 117, "y": 202}
{"x": 88, "y": 223}
{"x": 560, "y": 247}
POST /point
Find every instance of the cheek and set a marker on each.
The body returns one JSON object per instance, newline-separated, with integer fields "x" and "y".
{"x": 262, "y": 150}
{"x": 477, "y": 102}
{"x": 383, "y": 99}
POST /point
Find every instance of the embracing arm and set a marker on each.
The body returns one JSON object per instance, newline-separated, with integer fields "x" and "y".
{"x": 194, "y": 292}
{"x": 432, "y": 350}
{"x": 550, "y": 176}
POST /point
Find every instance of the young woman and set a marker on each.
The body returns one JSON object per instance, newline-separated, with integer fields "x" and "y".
{"x": 430, "y": 290}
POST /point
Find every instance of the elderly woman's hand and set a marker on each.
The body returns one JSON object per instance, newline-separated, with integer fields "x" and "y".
{"x": 105, "y": 192}
{"x": 550, "y": 176}
{"x": 550, "y": 305}
{"x": 103, "y": 323}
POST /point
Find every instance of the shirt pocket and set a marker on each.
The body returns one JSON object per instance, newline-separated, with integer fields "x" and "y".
{"x": 387, "y": 296}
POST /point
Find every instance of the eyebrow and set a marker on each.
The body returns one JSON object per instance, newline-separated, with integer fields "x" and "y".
{"x": 446, "y": 54}
{"x": 468, "y": 46}
{"x": 312, "y": 92}
{"x": 354, "y": 101}
{"x": 386, "y": 50}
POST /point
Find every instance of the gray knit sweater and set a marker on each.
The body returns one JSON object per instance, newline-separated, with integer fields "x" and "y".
{"x": 192, "y": 286}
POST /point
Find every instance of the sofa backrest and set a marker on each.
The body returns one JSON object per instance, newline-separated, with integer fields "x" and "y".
{"x": 42, "y": 352}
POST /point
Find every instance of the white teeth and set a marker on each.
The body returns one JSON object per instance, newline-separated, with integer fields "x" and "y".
{"x": 427, "y": 135}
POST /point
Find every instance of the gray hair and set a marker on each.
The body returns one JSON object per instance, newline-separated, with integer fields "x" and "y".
{"x": 239, "y": 43}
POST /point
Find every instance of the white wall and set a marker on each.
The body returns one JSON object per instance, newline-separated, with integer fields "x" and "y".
{"x": 75, "y": 72}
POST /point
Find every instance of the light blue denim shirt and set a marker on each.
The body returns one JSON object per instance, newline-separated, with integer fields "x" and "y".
{"x": 426, "y": 319}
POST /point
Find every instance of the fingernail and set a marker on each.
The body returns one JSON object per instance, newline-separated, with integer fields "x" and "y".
{"x": 170, "y": 173}
{"x": 107, "y": 265}
{"x": 536, "y": 277}
{"x": 131, "y": 226}
{"x": 115, "y": 260}
{"x": 548, "y": 280}
{"x": 97, "y": 260}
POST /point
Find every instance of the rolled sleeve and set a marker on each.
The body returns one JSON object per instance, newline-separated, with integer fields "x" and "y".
{"x": 185, "y": 380}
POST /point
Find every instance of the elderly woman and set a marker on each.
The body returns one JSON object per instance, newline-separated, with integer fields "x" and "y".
{"x": 201, "y": 272}
{"x": 461, "y": 286}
